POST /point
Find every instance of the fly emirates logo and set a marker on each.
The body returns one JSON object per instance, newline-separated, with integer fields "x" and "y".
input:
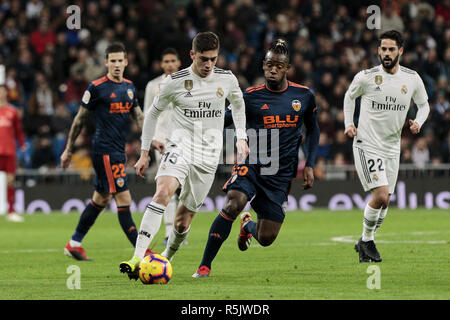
{"x": 203, "y": 111}
{"x": 390, "y": 104}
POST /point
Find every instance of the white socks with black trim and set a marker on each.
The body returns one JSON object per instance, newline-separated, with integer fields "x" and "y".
{"x": 151, "y": 221}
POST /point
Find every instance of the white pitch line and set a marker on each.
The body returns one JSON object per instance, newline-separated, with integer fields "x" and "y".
{"x": 352, "y": 239}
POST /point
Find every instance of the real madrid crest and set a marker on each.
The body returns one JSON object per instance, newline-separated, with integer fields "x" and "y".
{"x": 130, "y": 94}
{"x": 404, "y": 89}
{"x": 297, "y": 105}
{"x": 378, "y": 80}
{"x": 219, "y": 92}
{"x": 188, "y": 85}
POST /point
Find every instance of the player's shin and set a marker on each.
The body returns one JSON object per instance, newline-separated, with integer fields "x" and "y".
{"x": 127, "y": 223}
{"x": 218, "y": 233}
{"x": 369, "y": 223}
{"x": 151, "y": 221}
{"x": 87, "y": 219}
{"x": 169, "y": 214}
{"x": 381, "y": 217}
{"x": 174, "y": 242}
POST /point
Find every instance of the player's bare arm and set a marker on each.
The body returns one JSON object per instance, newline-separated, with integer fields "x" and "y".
{"x": 138, "y": 116}
{"x": 80, "y": 120}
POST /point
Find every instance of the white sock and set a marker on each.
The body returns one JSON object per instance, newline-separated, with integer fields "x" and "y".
{"x": 74, "y": 243}
{"x": 174, "y": 242}
{"x": 169, "y": 214}
{"x": 369, "y": 222}
{"x": 151, "y": 221}
{"x": 381, "y": 217}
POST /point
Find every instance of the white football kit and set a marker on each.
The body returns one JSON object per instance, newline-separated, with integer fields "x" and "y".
{"x": 385, "y": 101}
{"x": 194, "y": 141}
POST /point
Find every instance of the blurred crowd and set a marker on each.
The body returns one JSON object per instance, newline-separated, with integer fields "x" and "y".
{"x": 50, "y": 66}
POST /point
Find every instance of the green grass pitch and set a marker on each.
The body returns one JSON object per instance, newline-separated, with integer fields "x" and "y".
{"x": 312, "y": 258}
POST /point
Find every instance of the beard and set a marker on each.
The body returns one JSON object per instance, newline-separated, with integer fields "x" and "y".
{"x": 392, "y": 62}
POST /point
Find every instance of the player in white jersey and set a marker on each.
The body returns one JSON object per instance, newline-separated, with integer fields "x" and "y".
{"x": 386, "y": 92}
{"x": 194, "y": 144}
{"x": 170, "y": 63}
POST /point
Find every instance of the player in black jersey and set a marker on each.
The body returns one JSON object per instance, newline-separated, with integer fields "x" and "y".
{"x": 277, "y": 107}
{"x": 112, "y": 101}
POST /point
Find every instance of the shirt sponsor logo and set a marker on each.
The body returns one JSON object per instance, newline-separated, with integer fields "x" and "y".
{"x": 277, "y": 122}
{"x": 119, "y": 107}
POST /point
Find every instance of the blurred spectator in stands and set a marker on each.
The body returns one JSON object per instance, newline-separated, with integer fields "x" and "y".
{"x": 25, "y": 73}
{"x": 81, "y": 160}
{"x": 43, "y": 96}
{"x": 33, "y": 9}
{"x": 39, "y": 123}
{"x": 443, "y": 9}
{"x": 406, "y": 157}
{"x": 61, "y": 120}
{"x": 319, "y": 168}
{"x": 75, "y": 87}
{"x": 13, "y": 87}
{"x": 43, "y": 153}
{"x": 442, "y": 103}
{"x": 41, "y": 37}
{"x": 342, "y": 146}
{"x": 323, "y": 149}
{"x": 446, "y": 149}
{"x": 91, "y": 69}
{"x": 326, "y": 125}
{"x": 420, "y": 153}
{"x": 390, "y": 20}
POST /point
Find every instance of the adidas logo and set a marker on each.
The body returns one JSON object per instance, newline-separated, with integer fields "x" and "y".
{"x": 113, "y": 95}
{"x": 265, "y": 107}
{"x": 377, "y": 89}
{"x": 188, "y": 95}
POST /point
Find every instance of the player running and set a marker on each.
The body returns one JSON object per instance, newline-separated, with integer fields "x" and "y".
{"x": 170, "y": 63}
{"x": 193, "y": 148}
{"x": 386, "y": 92}
{"x": 277, "y": 107}
{"x": 113, "y": 103}
{"x": 10, "y": 131}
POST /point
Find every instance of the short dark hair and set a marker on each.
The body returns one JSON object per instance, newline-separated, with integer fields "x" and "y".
{"x": 170, "y": 51}
{"x": 279, "y": 46}
{"x": 115, "y": 47}
{"x": 393, "y": 35}
{"x": 205, "y": 41}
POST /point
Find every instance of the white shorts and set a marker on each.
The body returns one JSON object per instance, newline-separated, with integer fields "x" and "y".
{"x": 195, "y": 181}
{"x": 374, "y": 170}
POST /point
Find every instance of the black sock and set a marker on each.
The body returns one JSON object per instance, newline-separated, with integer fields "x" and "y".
{"x": 251, "y": 227}
{"x": 87, "y": 219}
{"x": 127, "y": 224}
{"x": 220, "y": 229}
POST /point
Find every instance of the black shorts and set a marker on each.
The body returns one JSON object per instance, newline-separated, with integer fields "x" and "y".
{"x": 265, "y": 200}
{"x": 110, "y": 175}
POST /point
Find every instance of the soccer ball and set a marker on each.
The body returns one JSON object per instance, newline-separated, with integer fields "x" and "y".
{"x": 154, "y": 268}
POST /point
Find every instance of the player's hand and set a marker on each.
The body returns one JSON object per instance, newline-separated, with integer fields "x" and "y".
{"x": 142, "y": 165}
{"x": 350, "y": 131}
{"x": 242, "y": 150}
{"x": 66, "y": 157}
{"x": 308, "y": 174}
{"x": 158, "y": 145}
{"x": 414, "y": 126}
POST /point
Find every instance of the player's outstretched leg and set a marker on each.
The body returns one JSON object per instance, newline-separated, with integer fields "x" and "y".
{"x": 220, "y": 230}
{"x": 73, "y": 248}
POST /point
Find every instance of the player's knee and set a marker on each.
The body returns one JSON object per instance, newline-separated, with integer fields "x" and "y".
{"x": 162, "y": 196}
{"x": 266, "y": 240}
{"x": 383, "y": 199}
{"x": 234, "y": 204}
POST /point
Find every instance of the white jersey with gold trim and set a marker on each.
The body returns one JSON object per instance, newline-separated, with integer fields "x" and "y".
{"x": 385, "y": 101}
